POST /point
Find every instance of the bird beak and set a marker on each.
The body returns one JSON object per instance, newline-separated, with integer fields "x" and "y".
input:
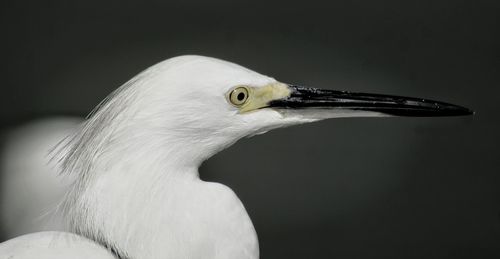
{"x": 313, "y": 98}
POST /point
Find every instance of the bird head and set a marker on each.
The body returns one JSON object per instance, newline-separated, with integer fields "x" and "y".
{"x": 134, "y": 152}
{"x": 195, "y": 106}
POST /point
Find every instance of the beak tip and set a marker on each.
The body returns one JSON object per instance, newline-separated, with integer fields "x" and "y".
{"x": 461, "y": 111}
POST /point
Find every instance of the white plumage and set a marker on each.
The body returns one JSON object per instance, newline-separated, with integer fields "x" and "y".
{"x": 137, "y": 190}
{"x": 53, "y": 245}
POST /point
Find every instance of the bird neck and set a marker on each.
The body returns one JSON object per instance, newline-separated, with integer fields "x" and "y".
{"x": 145, "y": 200}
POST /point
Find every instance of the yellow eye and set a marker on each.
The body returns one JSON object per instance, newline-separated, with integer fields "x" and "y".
{"x": 238, "y": 96}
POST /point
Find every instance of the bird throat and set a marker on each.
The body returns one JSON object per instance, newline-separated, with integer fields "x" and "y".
{"x": 147, "y": 208}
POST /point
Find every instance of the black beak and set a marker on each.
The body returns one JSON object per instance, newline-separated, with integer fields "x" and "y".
{"x": 305, "y": 97}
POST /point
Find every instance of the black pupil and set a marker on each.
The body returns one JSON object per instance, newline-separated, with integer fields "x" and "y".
{"x": 240, "y": 96}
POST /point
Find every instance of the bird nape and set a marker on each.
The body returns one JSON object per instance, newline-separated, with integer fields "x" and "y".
{"x": 135, "y": 160}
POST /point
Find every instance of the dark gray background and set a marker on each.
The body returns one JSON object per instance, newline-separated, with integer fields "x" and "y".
{"x": 345, "y": 188}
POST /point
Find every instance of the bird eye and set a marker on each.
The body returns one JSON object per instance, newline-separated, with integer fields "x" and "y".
{"x": 238, "y": 96}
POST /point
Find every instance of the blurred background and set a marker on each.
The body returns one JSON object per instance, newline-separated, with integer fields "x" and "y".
{"x": 345, "y": 188}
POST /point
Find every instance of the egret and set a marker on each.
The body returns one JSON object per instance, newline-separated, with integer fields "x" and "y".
{"x": 137, "y": 190}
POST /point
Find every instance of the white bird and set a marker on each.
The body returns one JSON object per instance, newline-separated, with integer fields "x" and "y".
{"x": 137, "y": 190}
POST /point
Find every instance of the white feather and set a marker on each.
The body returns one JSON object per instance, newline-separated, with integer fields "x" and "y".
{"x": 137, "y": 160}
{"x": 52, "y": 245}
{"x": 137, "y": 189}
